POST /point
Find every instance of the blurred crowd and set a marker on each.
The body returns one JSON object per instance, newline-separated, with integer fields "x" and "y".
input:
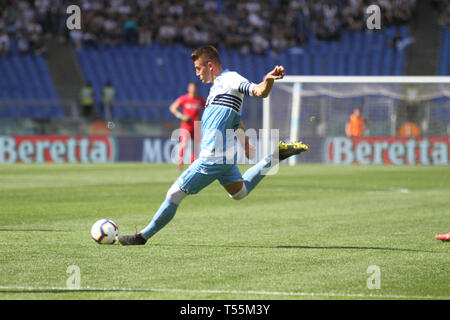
{"x": 250, "y": 25}
{"x": 443, "y": 6}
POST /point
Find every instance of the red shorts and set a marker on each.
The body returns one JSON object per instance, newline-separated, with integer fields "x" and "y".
{"x": 185, "y": 135}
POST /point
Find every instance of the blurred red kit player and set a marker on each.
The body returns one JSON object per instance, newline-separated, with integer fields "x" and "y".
{"x": 443, "y": 237}
{"x": 192, "y": 105}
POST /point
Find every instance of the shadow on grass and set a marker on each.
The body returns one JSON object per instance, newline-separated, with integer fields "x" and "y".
{"x": 298, "y": 247}
{"x": 351, "y": 248}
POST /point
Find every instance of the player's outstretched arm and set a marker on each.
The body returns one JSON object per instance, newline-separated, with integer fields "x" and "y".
{"x": 263, "y": 89}
{"x": 174, "y": 110}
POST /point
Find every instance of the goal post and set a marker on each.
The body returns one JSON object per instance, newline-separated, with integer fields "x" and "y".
{"x": 312, "y": 106}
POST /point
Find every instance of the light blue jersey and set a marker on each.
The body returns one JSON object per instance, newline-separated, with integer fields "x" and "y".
{"x": 222, "y": 116}
{"x": 217, "y": 159}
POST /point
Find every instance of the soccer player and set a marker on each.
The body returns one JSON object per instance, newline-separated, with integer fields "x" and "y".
{"x": 191, "y": 109}
{"x": 222, "y": 113}
{"x": 443, "y": 237}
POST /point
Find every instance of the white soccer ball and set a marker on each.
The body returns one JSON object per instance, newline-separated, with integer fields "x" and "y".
{"x": 104, "y": 231}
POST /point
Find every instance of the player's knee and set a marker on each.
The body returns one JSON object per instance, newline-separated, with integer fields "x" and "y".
{"x": 175, "y": 194}
{"x": 241, "y": 194}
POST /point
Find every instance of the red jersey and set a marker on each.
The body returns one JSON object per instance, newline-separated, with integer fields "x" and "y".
{"x": 192, "y": 108}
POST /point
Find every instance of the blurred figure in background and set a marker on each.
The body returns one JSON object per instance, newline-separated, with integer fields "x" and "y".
{"x": 412, "y": 114}
{"x": 87, "y": 100}
{"x": 191, "y": 105}
{"x": 355, "y": 126}
{"x": 4, "y": 42}
{"x": 108, "y": 96}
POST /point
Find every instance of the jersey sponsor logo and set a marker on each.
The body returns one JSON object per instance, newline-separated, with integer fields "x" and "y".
{"x": 194, "y": 106}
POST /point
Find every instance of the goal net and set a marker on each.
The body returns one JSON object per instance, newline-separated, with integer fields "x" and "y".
{"x": 308, "y": 107}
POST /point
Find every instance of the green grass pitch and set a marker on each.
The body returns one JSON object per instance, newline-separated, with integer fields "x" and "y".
{"x": 308, "y": 232}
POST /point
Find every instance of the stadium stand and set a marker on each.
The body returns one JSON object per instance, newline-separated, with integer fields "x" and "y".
{"x": 143, "y": 47}
{"x": 161, "y": 72}
{"x": 444, "y": 57}
{"x": 27, "y": 88}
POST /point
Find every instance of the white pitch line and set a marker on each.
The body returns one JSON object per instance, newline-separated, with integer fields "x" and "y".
{"x": 233, "y": 292}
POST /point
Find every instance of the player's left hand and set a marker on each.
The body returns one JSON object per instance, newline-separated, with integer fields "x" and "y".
{"x": 277, "y": 73}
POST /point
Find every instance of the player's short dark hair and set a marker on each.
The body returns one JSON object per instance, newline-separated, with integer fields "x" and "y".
{"x": 209, "y": 52}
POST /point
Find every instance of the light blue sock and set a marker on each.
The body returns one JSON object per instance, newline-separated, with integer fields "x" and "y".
{"x": 162, "y": 217}
{"x": 254, "y": 175}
